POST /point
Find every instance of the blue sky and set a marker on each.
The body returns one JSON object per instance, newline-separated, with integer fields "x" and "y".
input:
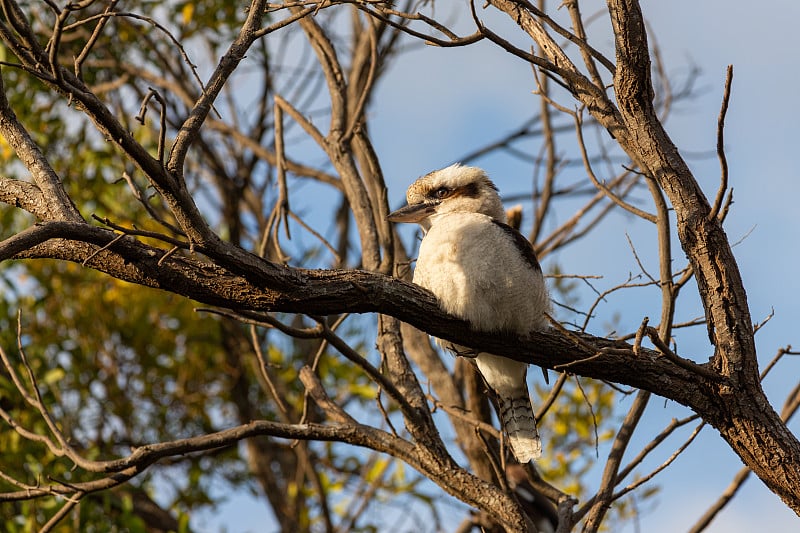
{"x": 437, "y": 104}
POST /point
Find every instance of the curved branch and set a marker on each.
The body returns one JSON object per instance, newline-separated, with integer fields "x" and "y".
{"x": 227, "y": 64}
{"x": 59, "y": 204}
{"x": 24, "y": 195}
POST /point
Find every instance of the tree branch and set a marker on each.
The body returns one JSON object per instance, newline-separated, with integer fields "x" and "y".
{"x": 325, "y": 292}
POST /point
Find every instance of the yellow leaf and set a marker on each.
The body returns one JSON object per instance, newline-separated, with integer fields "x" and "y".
{"x": 377, "y": 470}
{"x": 6, "y": 152}
{"x": 187, "y": 13}
{"x": 53, "y": 376}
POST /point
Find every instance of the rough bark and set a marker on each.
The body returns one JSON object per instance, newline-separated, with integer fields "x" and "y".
{"x": 740, "y": 410}
{"x": 735, "y": 404}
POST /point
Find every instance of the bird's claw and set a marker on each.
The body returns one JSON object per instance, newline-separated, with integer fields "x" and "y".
{"x": 466, "y": 352}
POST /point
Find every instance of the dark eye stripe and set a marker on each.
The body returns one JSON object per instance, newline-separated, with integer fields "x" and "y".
{"x": 470, "y": 190}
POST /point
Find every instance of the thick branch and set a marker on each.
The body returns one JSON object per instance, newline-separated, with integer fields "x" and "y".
{"x": 323, "y": 292}
{"x": 740, "y": 411}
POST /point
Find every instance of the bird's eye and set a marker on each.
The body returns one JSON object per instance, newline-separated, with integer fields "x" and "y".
{"x": 441, "y": 192}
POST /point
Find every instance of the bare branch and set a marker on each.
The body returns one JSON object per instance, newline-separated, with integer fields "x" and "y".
{"x": 723, "y": 161}
{"x": 236, "y": 52}
{"x": 59, "y": 204}
{"x": 602, "y": 501}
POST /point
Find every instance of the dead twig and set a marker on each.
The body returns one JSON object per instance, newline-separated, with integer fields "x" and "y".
{"x": 723, "y": 160}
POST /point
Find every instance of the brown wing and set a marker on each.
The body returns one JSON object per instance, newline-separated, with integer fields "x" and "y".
{"x": 523, "y": 245}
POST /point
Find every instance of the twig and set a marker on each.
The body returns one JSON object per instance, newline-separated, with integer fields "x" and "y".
{"x": 783, "y": 351}
{"x": 591, "y": 412}
{"x": 551, "y": 398}
{"x": 602, "y": 501}
{"x": 680, "y": 361}
{"x": 316, "y": 391}
{"x": 653, "y": 444}
{"x": 723, "y": 161}
{"x": 761, "y": 324}
{"x": 638, "y": 260}
{"x": 453, "y": 40}
{"x": 546, "y": 195}
{"x": 385, "y": 415}
{"x": 282, "y": 203}
{"x": 637, "y": 342}
{"x": 498, "y": 468}
{"x": 356, "y": 114}
{"x": 577, "y": 115}
{"x": 98, "y": 29}
{"x": 162, "y": 130}
{"x": 374, "y": 374}
{"x": 140, "y": 197}
{"x": 459, "y": 413}
{"x": 265, "y": 320}
{"x": 103, "y": 248}
{"x": 665, "y": 464}
{"x": 263, "y": 368}
{"x": 70, "y": 502}
{"x": 142, "y": 233}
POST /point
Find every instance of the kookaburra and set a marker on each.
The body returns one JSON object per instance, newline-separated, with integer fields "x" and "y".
{"x": 485, "y": 272}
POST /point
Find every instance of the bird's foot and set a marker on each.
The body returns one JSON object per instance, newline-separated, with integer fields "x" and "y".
{"x": 463, "y": 352}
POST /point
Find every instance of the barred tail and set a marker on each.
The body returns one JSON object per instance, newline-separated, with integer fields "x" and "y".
{"x": 516, "y": 417}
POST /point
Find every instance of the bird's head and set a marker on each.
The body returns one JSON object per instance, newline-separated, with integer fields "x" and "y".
{"x": 455, "y": 189}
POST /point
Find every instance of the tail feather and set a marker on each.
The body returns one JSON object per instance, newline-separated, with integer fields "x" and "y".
{"x": 519, "y": 423}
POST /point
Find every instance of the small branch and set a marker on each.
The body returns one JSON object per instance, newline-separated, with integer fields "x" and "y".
{"x": 790, "y": 407}
{"x": 650, "y": 446}
{"x": 723, "y": 161}
{"x": 680, "y": 361}
{"x": 551, "y": 398}
{"x": 104, "y": 248}
{"x": 282, "y": 203}
{"x": 763, "y": 323}
{"x": 665, "y": 464}
{"x": 597, "y": 183}
{"x": 384, "y": 15}
{"x": 589, "y": 55}
{"x": 190, "y": 128}
{"x": 71, "y": 502}
{"x": 356, "y": 114}
{"x": 602, "y": 501}
{"x": 59, "y": 204}
{"x": 317, "y": 392}
{"x": 266, "y": 321}
{"x": 374, "y": 374}
{"x": 162, "y": 131}
{"x": 783, "y": 351}
{"x": 126, "y": 468}
{"x": 140, "y": 197}
{"x": 461, "y": 414}
{"x": 638, "y": 260}
{"x": 263, "y": 368}
{"x": 591, "y": 412}
{"x": 98, "y": 29}
{"x": 143, "y": 233}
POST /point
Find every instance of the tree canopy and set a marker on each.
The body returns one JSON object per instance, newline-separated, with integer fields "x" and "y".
{"x": 202, "y": 295}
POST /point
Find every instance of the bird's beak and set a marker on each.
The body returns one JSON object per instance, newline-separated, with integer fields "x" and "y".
{"x": 411, "y": 213}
